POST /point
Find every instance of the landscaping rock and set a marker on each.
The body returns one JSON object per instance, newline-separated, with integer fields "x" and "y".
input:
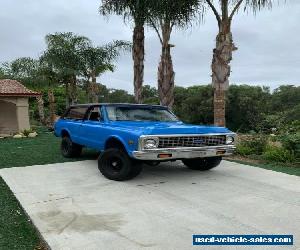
{"x": 18, "y": 136}
{"x": 5, "y": 135}
{"x": 32, "y": 135}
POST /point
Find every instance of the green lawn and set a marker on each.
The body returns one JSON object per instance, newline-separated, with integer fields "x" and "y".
{"x": 292, "y": 169}
{"x": 16, "y": 230}
{"x": 43, "y": 149}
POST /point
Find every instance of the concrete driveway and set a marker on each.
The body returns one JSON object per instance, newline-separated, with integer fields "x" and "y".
{"x": 75, "y": 207}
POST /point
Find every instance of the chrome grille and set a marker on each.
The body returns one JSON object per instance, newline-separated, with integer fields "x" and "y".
{"x": 191, "y": 141}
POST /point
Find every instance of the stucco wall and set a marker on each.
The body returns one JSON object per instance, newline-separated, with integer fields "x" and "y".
{"x": 13, "y": 114}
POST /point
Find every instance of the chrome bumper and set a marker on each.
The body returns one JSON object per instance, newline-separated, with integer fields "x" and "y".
{"x": 183, "y": 153}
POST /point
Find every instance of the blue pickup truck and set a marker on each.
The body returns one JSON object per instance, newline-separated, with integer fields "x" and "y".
{"x": 128, "y": 135}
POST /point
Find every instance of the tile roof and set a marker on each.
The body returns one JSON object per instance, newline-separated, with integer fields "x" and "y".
{"x": 14, "y": 88}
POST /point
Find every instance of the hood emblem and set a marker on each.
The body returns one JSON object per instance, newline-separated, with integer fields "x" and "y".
{"x": 198, "y": 141}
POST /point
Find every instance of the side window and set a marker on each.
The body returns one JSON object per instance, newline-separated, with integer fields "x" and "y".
{"x": 95, "y": 114}
{"x": 76, "y": 113}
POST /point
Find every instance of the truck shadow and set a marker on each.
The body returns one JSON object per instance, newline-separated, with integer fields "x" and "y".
{"x": 168, "y": 171}
{"x": 88, "y": 154}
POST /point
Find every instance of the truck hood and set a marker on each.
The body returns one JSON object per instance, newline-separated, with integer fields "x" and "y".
{"x": 167, "y": 128}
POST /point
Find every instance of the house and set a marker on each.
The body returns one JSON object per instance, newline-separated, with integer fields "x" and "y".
{"x": 14, "y": 113}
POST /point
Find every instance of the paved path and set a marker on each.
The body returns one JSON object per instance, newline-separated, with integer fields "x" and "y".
{"x": 74, "y": 207}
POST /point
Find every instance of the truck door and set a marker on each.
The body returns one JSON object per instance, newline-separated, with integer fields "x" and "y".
{"x": 73, "y": 120}
{"x": 91, "y": 128}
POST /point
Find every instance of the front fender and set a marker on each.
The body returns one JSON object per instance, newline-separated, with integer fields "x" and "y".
{"x": 59, "y": 128}
{"x": 130, "y": 142}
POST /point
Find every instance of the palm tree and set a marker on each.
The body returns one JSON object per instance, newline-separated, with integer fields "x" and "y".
{"x": 165, "y": 15}
{"x": 51, "y": 76}
{"x": 136, "y": 10}
{"x": 41, "y": 110}
{"x": 63, "y": 52}
{"x": 97, "y": 60}
{"x": 222, "y": 54}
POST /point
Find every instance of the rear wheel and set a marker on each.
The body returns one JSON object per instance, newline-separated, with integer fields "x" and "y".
{"x": 116, "y": 165}
{"x": 202, "y": 164}
{"x": 70, "y": 149}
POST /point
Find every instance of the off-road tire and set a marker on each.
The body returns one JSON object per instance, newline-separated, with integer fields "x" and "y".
{"x": 70, "y": 149}
{"x": 116, "y": 165}
{"x": 202, "y": 164}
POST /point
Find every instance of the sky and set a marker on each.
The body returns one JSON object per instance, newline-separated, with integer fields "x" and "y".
{"x": 268, "y": 42}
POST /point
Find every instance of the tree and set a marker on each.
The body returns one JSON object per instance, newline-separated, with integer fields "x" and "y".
{"x": 41, "y": 110}
{"x": 52, "y": 77}
{"x": 285, "y": 97}
{"x": 97, "y": 60}
{"x": 136, "y": 10}
{"x": 164, "y": 16}
{"x": 24, "y": 67}
{"x": 247, "y": 107}
{"x": 222, "y": 54}
{"x": 194, "y": 104}
{"x": 2, "y": 73}
{"x": 26, "y": 70}
{"x": 119, "y": 95}
{"x": 64, "y": 53}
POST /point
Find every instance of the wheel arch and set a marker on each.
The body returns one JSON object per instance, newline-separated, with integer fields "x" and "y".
{"x": 115, "y": 142}
{"x": 65, "y": 132}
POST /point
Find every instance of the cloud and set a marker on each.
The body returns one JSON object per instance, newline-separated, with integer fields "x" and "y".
{"x": 267, "y": 42}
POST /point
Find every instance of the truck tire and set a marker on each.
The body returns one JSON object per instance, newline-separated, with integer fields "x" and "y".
{"x": 116, "y": 165}
{"x": 202, "y": 164}
{"x": 70, "y": 149}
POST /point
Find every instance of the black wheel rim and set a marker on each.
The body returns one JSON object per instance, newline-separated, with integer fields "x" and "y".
{"x": 114, "y": 164}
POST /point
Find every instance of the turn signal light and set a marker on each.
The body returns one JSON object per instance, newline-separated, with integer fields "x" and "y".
{"x": 164, "y": 156}
{"x": 221, "y": 152}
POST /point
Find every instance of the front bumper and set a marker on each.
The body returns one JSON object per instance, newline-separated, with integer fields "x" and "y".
{"x": 162, "y": 154}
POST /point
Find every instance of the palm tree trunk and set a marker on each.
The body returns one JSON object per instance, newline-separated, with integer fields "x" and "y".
{"x": 166, "y": 74}
{"x": 94, "y": 88}
{"x": 73, "y": 90}
{"x": 138, "y": 55}
{"x": 88, "y": 90}
{"x": 222, "y": 56}
{"x": 40, "y": 105}
{"x": 67, "y": 94}
{"x": 51, "y": 99}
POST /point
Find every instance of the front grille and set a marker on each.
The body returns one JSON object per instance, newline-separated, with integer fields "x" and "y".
{"x": 191, "y": 141}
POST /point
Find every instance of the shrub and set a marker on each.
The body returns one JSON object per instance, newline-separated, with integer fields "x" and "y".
{"x": 292, "y": 127}
{"x": 26, "y": 132}
{"x": 244, "y": 150}
{"x": 278, "y": 154}
{"x": 270, "y": 123}
{"x": 292, "y": 143}
{"x": 255, "y": 144}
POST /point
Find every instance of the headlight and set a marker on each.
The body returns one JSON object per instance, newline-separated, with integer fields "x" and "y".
{"x": 151, "y": 143}
{"x": 229, "y": 139}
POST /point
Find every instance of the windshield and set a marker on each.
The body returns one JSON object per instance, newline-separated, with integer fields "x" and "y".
{"x": 116, "y": 113}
